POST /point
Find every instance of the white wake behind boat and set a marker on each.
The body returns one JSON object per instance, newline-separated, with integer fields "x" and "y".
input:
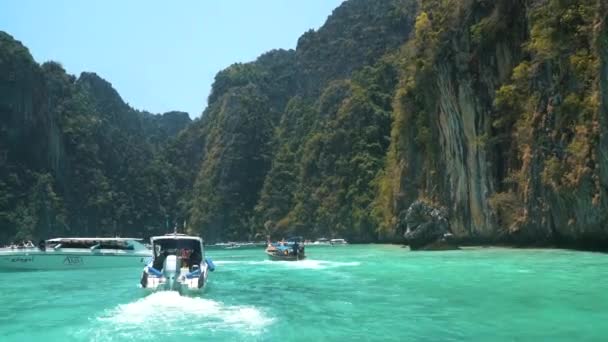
{"x": 77, "y": 253}
{"x": 178, "y": 264}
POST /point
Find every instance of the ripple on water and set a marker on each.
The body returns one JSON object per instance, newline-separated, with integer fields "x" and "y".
{"x": 165, "y": 314}
{"x": 304, "y": 264}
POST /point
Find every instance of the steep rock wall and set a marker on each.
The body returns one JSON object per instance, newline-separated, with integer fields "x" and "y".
{"x": 500, "y": 117}
{"x": 468, "y": 72}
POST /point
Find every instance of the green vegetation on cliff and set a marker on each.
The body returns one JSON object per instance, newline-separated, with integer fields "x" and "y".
{"x": 294, "y": 141}
{"x": 495, "y": 110}
{"x": 497, "y": 117}
{"x": 74, "y": 158}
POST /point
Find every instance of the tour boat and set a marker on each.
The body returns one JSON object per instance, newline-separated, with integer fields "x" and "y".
{"x": 76, "y": 253}
{"x": 321, "y": 241}
{"x": 178, "y": 264}
{"x": 338, "y": 242}
{"x": 291, "y": 250}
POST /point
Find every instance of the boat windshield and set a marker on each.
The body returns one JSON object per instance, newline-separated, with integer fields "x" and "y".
{"x": 176, "y": 246}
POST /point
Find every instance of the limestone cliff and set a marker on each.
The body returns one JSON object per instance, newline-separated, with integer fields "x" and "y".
{"x": 75, "y": 159}
{"x": 499, "y": 119}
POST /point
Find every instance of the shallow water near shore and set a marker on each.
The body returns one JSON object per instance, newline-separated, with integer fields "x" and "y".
{"x": 366, "y": 292}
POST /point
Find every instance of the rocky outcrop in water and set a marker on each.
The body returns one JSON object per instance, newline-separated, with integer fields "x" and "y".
{"x": 427, "y": 227}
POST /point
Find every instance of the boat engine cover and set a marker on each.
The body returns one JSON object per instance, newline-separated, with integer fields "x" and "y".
{"x": 170, "y": 265}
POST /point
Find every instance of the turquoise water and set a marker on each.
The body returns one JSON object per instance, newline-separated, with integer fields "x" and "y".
{"x": 383, "y": 293}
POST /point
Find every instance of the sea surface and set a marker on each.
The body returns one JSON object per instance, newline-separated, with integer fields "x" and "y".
{"x": 347, "y": 293}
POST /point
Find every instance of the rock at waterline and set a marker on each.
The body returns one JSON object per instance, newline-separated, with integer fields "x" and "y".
{"x": 428, "y": 228}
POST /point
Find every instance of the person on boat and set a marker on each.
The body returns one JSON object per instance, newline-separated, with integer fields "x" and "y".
{"x": 296, "y": 249}
{"x": 195, "y": 259}
{"x": 42, "y": 245}
{"x": 270, "y": 247}
{"x": 159, "y": 261}
{"x": 186, "y": 253}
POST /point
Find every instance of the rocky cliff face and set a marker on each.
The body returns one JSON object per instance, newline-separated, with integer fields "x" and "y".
{"x": 74, "y": 158}
{"x": 22, "y": 94}
{"x": 294, "y": 140}
{"x": 511, "y": 94}
{"x": 602, "y": 43}
{"x": 466, "y": 77}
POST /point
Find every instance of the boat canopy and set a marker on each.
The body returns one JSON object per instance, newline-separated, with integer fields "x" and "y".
{"x": 175, "y": 237}
{"x": 96, "y": 243}
{"x": 93, "y": 238}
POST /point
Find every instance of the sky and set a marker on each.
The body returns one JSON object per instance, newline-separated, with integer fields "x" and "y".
{"x": 159, "y": 55}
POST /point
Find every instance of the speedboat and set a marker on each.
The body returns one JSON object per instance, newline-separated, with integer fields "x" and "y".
{"x": 178, "y": 264}
{"x": 233, "y": 245}
{"x": 76, "y": 253}
{"x": 338, "y": 242}
{"x": 291, "y": 250}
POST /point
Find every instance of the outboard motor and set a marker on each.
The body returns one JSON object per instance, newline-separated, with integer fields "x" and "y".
{"x": 171, "y": 271}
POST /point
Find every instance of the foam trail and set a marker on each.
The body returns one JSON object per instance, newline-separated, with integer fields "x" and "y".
{"x": 167, "y": 313}
{"x": 303, "y": 264}
{"x": 316, "y": 264}
{"x": 228, "y": 262}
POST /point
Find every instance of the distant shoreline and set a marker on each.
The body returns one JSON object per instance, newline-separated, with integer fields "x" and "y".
{"x": 461, "y": 246}
{"x": 471, "y": 246}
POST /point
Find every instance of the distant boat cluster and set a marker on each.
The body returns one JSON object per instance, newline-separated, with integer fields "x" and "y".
{"x": 248, "y": 244}
{"x": 233, "y": 245}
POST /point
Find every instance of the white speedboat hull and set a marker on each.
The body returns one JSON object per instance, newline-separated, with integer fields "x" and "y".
{"x": 181, "y": 282}
{"x": 54, "y": 260}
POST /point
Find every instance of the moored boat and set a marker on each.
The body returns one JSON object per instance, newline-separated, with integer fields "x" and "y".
{"x": 338, "y": 242}
{"x": 178, "y": 264}
{"x": 321, "y": 241}
{"x": 76, "y": 253}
